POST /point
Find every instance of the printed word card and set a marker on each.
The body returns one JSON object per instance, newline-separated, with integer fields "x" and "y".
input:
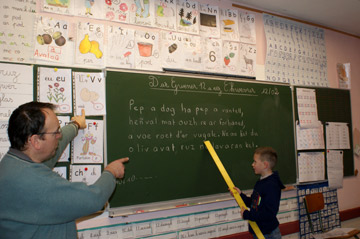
{"x": 307, "y": 108}
{"x": 337, "y": 135}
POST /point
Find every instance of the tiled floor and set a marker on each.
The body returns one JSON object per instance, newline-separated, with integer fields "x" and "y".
{"x": 353, "y": 223}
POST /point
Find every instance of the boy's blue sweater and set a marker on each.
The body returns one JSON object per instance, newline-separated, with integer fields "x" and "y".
{"x": 264, "y": 203}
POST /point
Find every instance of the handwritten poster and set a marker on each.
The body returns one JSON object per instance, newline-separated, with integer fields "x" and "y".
{"x": 4, "y": 140}
{"x": 63, "y": 120}
{"x": 311, "y": 166}
{"x": 188, "y": 17}
{"x": 88, "y": 145}
{"x": 310, "y": 138}
{"x": 85, "y": 173}
{"x": 54, "y": 86}
{"x": 19, "y": 6}
{"x": 89, "y": 93}
{"x": 247, "y": 59}
{"x": 229, "y": 24}
{"x": 121, "y": 47}
{"x": 142, "y": 13}
{"x": 61, "y": 171}
{"x": 247, "y": 28}
{"x": 230, "y": 57}
{"x": 307, "y": 108}
{"x": 193, "y": 55}
{"x": 89, "y": 8}
{"x": 335, "y": 168}
{"x": 16, "y": 87}
{"x": 58, "y": 7}
{"x": 118, "y": 11}
{"x": 212, "y": 54}
{"x": 90, "y": 44}
{"x": 209, "y": 21}
{"x": 50, "y": 38}
{"x": 147, "y": 55}
{"x": 337, "y": 135}
{"x": 165, "y": 14}
{"x": 16, "y": 31}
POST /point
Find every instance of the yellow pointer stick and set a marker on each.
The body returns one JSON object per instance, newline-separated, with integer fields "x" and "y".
{"x": 231, "y": 186}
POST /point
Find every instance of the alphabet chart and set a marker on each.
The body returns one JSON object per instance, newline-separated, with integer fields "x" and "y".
{"x": 247, "y": 28}
{"x": 54, "y": 86}
{"x": 212, "y": 54}
{"x": 89, "y": 93}
{"x": 85, "y": 173}
{"x": 142, "y": 13}
{"x": 88, "y": 146}
{"x": 231, "y": 57}
{"x": 16, "y": 88}
{"x": 296, "y": 52}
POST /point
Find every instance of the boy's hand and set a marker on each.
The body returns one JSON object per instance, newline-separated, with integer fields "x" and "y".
{"x": 243, "y": 209}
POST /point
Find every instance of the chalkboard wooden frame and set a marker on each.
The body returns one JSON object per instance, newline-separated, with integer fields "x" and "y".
{"x": 137, "y": 102}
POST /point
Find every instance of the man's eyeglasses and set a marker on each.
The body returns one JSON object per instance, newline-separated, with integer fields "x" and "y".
{"x": 57, "y": 132}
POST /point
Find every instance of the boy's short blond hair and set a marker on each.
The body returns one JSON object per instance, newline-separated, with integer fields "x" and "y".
{"x": 267, "y": 154}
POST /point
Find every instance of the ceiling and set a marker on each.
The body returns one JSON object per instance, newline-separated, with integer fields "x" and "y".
{"x": 341, "y": 15}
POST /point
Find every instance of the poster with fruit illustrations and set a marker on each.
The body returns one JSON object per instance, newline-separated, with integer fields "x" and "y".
{"x": 117, "y": 10}
{"x": 89, "y": 93}
{"x": 51, "y": 40}
{"x": 247, "y": 59}
{"x": 88, "y": 174}
{"x": 120, "y": 47}
{"x": 209, "y": 21}
{"x": 54, "y": 86}
{"x": 187, "y": 16}
{"x": 212, "y": 55}
{"x": 165, "y": 14}
{"x": 58, "y": 6}
{"x": 147, "y": 53}
{"x": 90, "y": 44}
{"x": 142, "y": 13}
{"x": 229, "y": 26}
{"x": 231, "y": 52}
{"x": 88, "y": 144}
{"x": 63, "y": 120}
{"x": 89, "y": 8}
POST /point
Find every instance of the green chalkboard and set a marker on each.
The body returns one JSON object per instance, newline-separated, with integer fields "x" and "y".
{"x": 334, "y": 105}
{"x": 160, "y": 121}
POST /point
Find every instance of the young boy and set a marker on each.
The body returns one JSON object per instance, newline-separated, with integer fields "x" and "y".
{"x": 265, "y": 198}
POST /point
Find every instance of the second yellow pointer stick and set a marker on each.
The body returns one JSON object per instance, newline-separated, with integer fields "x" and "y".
{"x": 231, "y": 186}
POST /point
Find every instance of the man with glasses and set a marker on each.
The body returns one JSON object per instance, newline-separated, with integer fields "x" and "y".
{"x": 36, "y": 202}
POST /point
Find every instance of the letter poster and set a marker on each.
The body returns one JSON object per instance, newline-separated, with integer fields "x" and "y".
{"x": 165, "y": 14}
{"x": 89, "y": 93}
{"x": 188, "y": 17}
{"x": 54, "y": 86}
{"x": 51, "y": 40}
{"x": 209, "y": 21}
{"x": 88, "y": 144}
{"x": 147, "y": 55}
{"x": 118, "y": 11}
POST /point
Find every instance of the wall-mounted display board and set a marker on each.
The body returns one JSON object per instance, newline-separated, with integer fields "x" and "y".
{"x": 334, "y": 105}
{"x": 160, "y": 122}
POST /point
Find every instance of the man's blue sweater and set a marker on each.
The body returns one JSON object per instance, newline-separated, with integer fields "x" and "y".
{"x": 36, "y": 202}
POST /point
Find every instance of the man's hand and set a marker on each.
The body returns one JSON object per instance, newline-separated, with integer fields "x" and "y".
{"x": 117, "y": 167}
{"x": 80, "y": 119}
